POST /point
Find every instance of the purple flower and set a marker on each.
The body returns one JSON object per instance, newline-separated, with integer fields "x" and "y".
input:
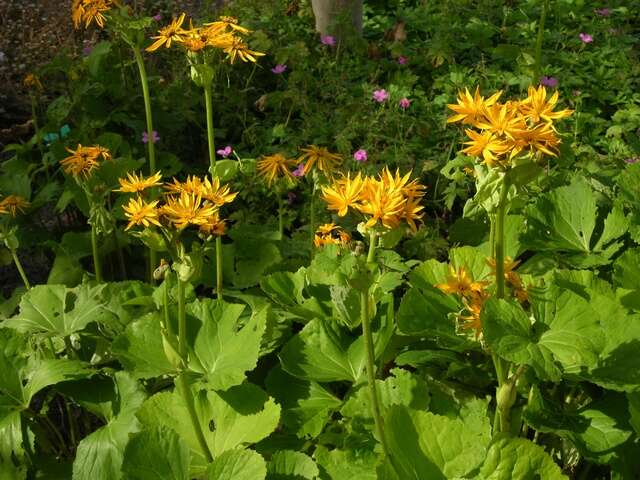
{"x": 551, "y": 82}
{"x": 360, "y": 155}
{"x": 404, "y": 103}
{"x": 632, "y": 160}
{"x": 225, "y": 152}
{"x": 328, "y": 40}
{"x": 88, "y": 47}
{"x": 278, "y": 69}
{"x": 381, "y": 95}
{"x": 299, "y": 171}
{"x": 586, "y": 38}
{"x": 402, "y": 60}
{"x": 603, "y": 12}
{"x": 291, "y": 197}
{"x": 154, "y": 137}
{"x": 157, "y": 17}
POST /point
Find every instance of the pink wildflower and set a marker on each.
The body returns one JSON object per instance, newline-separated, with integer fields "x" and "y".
{"x": 381, "y": 95}
{"x": 299, "y": 171}
{"x": 551, "y": 82}
{"x": 360, "y": 155}
{"x": 603, "y": 12}
{"x": 404, "y": 103}
{"x": 328, "y": 40}
{"x": 585, "y": 38}
{"x": 278, "y": 69}
{"x": 225, "y": 152}
{"x": 154, "y": 137}
{"x": 402, "y": 60}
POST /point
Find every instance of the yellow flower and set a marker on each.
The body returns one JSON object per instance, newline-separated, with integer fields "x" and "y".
{"x": 319, "y": 157}
{"x": 275, "y": 166}
{"x": 486, "y": 145}
{"x": 502, "y": 119}
{"x": 81, "y": 162}
{"x": 536, "y": 107}
{"x": 214, "y": 226}
{"x": 77, "y": 12}
{"x": 98, "y": 151}
{"x": 230, "y": 23}
{"x": 472, "y": 320}
{"x": 140, "y": 213}
{"x": 330, "y": 234}
{"x": 216, "y": 193}
{"x": 13, "y": 205}
{"x": 237, "y": 48}
{"x": 32, "y": 81}
{"x": 187, "y": 209}
{"x": 541, "y": 138}
{"x": 192, "y": 185}
{"x": 470, "y": 110}
{"x": 134, "y": 183}
{"x": 344, "y": 193}
{"x": 460, "y": 282}
{"x": 94, "y": 12}
{"x": 171, "y": 33}
{"x": 381, "y": 203}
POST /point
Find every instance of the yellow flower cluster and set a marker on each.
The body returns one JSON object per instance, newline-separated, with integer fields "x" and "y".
{"x": 330, "y": 234}
{"x": 13, "y": 205}
{"x": 84, "y": 160}
{"x": 505, "y": 130}
{"x": 196, "y": 201}
{"x": 474, "y": 293}
{"x": 32, "y": 82}
{"x": 87, "y": 11}
{"x": 224, "y": 34}
{"x": 387, "y": 200}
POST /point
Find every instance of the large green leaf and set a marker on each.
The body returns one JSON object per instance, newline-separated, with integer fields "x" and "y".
{"x": 307, "y": 406}
{"x": 291, "y": 465}
{"x": 564, "y": 220}
{"x": 511, "y": 458}
{"x": 347, "y": 464}
{"x": 99, "y": 455}
{"x": 156, "y": 454}
{"x": 238, "y": 465}
{"x": 57, "y": 310}
{"x": 285, "y": 288}
{"x": 223, "y": 352}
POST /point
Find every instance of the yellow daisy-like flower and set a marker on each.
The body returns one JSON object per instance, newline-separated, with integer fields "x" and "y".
{"x": 32, "y": 81}
{"x": 381, "y": 204}
{"x": 472, "y": 321}
{"x": 134, "y": 183}
{"x": 171, "y": 33}
{"x": 98, "y": 151}
{"x": 88, "y": 11}
{"x": 330, "y": 234}
{"x": 229, "y": 23}
{"x": 274, "y": 167}
{"x": 541, "y": 138}
{"x": 216, "y": 193}
{"x": 187, "y": 209}
{"x": 238, "y": 49}
{"x": 319, "y": 157}
{"x": 192, "y": 185}
{"x": 13, "y": 205}
{"x": 214, "y": 226}
{"x": 470, "y": 110}
{"x": 141, "y": 213}
{"x": 502, "y": 119}
{"x": 81, "y": 163}
{"x": 537, "y": 108}
{"x": 344, "y": 193}
{"x": 460, "y": 282}
{"x": 486, "y": 145}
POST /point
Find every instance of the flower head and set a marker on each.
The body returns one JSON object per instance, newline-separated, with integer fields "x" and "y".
{"x": 88, "y": 11}
{"x": 238, "y": 49}
{"x": 469, "y": 110}
{"x": 83, "y": 160}
{"x": 135, "y": 184}
{"x": 225, "y": 152}
{"x": 215, "y": 192}
{"x": 360, "y": 155}
{"x": 537, "y": 107}
{"x": 551, "y": 82}
{"x": 402, "y": 60}
{"x": 320, "y": 158}
{"x": 13, "y": 205}
{"x": 299, "y": 171}
{"x": 157, "y": 17}
{"x": 32, "y": 81}
{"x": 278, "y": 69}
{"x": 330, "y": 234}
{"x": 187, "y": 209}
{"x": 603, "y": 12}
{"x": 585, "y": 38}
{"x": 380, "y": 96}
{"x": 214, "y": 226}
{"x": 632, "y": 160}
{"x": 154, "y": 137}
{"x": 328, "y": 40}
{"x": 171, "y": 33}
{"x": 404, "y": 103}
{"x": 343, "y": 194}
{"x": 274, "y": 167}
{"x": 141, "y": 213}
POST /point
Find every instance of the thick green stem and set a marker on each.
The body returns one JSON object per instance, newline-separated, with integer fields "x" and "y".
{"x": 365, "y": 307}
{"x": 165, "y": 301}
{"x": 18, "y": 264}
{"x": 208, "y": 101}
{"x": 96, "y": 258}
{"x": 280, "y": 216}
{"x": 144, "y": 81}
{"x": 538, "y": 52}
{"x": 182, "y": 381}
{"x": 219, "y": 267}
{"x": 312, "y": 220}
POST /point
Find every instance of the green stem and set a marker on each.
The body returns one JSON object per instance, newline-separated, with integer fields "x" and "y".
{"x": 219, "y": 267}
{"x": 312, "y": 220}
{"x": 144, "y": 81}
{"x": 18, "y": 264}
{"x": 365, "y": 306}
{"x": 96, "y": 259}
{"x": 208, "y": 101}
{"x": 165, "y": 301}
{"x": 280, "y": 216}
{"x": 182, "y": 380}
{"x": 538, "y": 52}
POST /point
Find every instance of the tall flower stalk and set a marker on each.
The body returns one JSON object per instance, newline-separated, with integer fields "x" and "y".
{"x": 538, "y": 51}
{"x": 10, "y": 207}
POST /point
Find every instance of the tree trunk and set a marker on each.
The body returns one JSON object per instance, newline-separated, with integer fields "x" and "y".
{"x": 328, "y": 13}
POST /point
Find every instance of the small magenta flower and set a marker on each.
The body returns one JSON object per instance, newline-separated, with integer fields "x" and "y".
{"x": 360, "y": 155}
{"x": 225, "y": 152}
{"x": 551, "y": 82}
{"x": 404, "y": 103}
{"x": 402, "y": 60}
{"x": 278, "y": 69}
{"x": 154, "y": 137}
{"x": 328, "y": 40}
{"x": 299, "y": 171}
{"x": 603, "y": 12}
{"x": 381, "y": 95}
{"x": 586, "y": 38}
{"x": 632, "y": 160}
{"x": 157, "y": 17}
